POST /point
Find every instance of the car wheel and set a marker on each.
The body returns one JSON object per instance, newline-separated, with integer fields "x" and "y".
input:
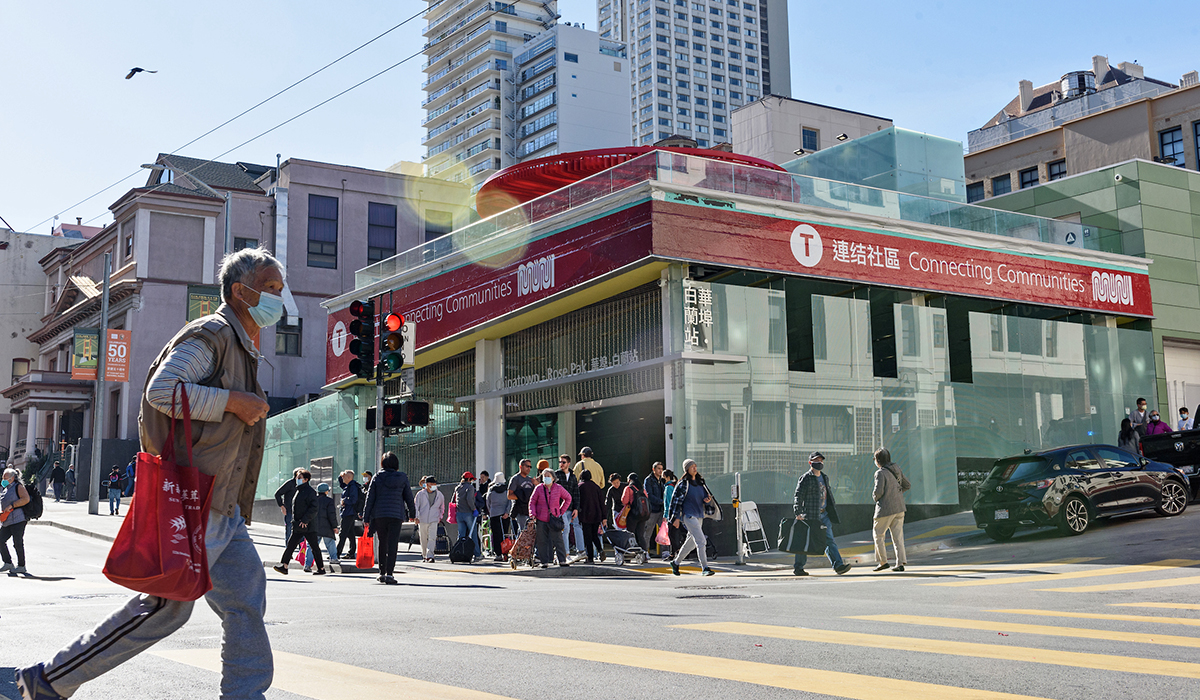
{"x": 1174, "y": 499}
{"x": 1000, "y": 533}
{"x": 1074, "y": 517}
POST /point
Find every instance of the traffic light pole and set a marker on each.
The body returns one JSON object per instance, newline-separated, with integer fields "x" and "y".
{"x": 378, "y": 417}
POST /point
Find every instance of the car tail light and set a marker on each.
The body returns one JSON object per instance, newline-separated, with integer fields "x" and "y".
{"x": 1042, "y": 484}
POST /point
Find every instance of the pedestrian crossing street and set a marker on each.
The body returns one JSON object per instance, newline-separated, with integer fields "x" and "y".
{"x": 1131, "y": 643}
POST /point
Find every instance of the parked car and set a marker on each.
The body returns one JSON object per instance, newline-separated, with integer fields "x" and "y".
{"x": 1069, "y": 487}
{"x": 1180, "y": 449}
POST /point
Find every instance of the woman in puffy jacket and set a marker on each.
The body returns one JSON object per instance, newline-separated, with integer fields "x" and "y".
{"x": 546, "y": 506}
{"x": 389, "y": 503}
{"x": 498, "y": 510}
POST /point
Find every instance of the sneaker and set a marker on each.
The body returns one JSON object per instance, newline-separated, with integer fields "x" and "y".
{"x": 308, "y": 569}
{"x": 32, "y": 684}
{"x": 563, "y": 565}
{"x": 7, "y": 566}
{"x": 707, "y": 572}
{"x": 674, "y": 568}
{"x": 545, "y": 566}
{"x": 899, "y": 568}
{"x": 883, "y": 566}
{"x": 799, "y": 572}
{"x": 842, "y": 569}
{"x": 390, "y": 580}
{"x": 382, "y": 578}
{"x": 281, "y": 568}
{"x": 19, "y": 570}
{"x": 319, "y": 572}
{"x": 602, "y": 557}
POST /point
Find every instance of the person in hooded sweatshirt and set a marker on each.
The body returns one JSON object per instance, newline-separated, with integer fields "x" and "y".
{"x": 890, "y": 485}
{"x": 499, "y": 508}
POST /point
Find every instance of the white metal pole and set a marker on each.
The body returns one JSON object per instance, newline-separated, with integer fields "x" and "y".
{"x": 98, "y": 402}
{"x": 737, "y": 514}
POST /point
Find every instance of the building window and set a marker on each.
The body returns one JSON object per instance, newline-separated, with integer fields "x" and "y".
{"x": 243, "y": 243}
{"x": 997, "y": 333}
{"x": 767, "y": 421}
{"x": 712, "y": 422}
{"x": 322, "y": 231}
{"x": 939, "y": 332}
{"x": 129, "y": 231}
{"x": 437, "y": 223}
{"x": 828, "y": 424}
{"x": 1001, "y": 185}
{"x": 1170, "y": 146}
{"x": 287, "y": 338}
{"x": 1028, "y": 177}
{"x": 810, "y": 139}
{"x": 571, "y": 57}
{"x": 1057, "y": 170}
{"x": 910, "y": 332}
{"x": 974, "y": 192}
{"x": 381, "y": 231}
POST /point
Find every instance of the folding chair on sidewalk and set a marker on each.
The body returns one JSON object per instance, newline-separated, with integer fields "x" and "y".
{"x": 754, "y": 538}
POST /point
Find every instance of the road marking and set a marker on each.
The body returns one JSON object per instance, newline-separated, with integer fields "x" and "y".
{"x": 1048, "y": 630}
{"x": 1100, "y": 662}
{"x": 829, "y": 683}
{"x": 1172, "y": 606}
{"x": 1130, "y": 585}
{"x": 1116, "y": 571}
{"x": 1102, "y": 616}
{"x": 330, "y": 680}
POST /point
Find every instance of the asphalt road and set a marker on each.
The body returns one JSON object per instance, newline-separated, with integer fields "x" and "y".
{"x": 1022, "y": 618}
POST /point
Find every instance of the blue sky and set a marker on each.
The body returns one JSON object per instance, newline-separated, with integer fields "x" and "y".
{"x": 70, "y": 124}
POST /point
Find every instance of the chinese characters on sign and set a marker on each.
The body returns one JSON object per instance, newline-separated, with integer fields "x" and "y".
{"x": 866, "y": 255}
{"x": 697, "y": 316}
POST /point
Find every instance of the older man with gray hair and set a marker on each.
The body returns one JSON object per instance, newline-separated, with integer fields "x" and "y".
{"x": 216, "y": 358}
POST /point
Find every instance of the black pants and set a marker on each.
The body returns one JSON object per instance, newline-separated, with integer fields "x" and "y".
{"x": 549, "y": 543}
{"x": 17, "y": 534}
{"x": 347, "y": 533}
{"x": 638, "y": 528}
{"x": 677, "y": 535}
{"x": 591, "y": 536}
{"x": 497, "y": 526}
{"x": 308, "y": 535}
{"x": 388, "y": 532}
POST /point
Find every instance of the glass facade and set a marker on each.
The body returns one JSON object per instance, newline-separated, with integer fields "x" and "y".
{"x": 320, "y": 436}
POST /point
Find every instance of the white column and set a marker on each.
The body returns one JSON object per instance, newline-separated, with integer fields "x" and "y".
{"x": 12, "y": 434}
{"x": 31, "y": 431}
{"x": 567, "y": 435}
{"x": 672, "y": 309}
{"x": 489, "y": 413}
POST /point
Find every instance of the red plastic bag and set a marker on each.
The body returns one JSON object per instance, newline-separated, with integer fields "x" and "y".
{"x": 663, "y": 536}
{"x": 506, "y": 544}
{"x": 366, "y": 550}
{"x": 159, "y": 549}
{"x": 301, "y": 552}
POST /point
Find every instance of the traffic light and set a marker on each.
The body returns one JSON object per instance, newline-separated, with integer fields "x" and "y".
{"x": 400, "y": 414}
{"x": 391, "y": 343}
{"x": 414, "y": 412}
{"x": 362, "y": 343}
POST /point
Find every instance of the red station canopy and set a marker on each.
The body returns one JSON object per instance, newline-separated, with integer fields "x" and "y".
{"x": 523, "y": 182}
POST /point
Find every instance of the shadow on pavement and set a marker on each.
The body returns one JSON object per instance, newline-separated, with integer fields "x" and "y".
{"x": 8, "y": 682}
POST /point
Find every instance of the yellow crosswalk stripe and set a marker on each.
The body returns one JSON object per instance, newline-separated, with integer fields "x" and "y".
{"x": 809, "y": 680}
{"x": 1103, "y": 616}
{"x": 1091, "y": 573}
{"x": 330, "y": 680}
{"x": 1129, "y": 585}
{"x": 1047, "y": 630}
{"x": 1172, "y": 606}
{"x": 1100, "y": 662}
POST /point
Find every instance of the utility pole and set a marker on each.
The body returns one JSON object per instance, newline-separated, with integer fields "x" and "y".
{"x": 98, "y": 401}
{"x": 379, "y": 394}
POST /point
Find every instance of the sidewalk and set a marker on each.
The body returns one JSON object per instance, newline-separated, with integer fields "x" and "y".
{"x": 921, "y": 537}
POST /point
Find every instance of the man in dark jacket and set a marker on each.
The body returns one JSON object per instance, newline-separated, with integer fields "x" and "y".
{"x": 653, "y": 487}
{"x": 570, "y": 482}
{"x": 352, "y": 503}
{"x": 813, "y": 503}
{"x": 327, "y": 526}
{"x": 58, "y": 477}
{"x": 304, "y": 525}
{"x": 283, "y": 498}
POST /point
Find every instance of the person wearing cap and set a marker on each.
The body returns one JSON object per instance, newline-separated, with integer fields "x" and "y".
{"x": 813, "y": 503}
{"x": 465, "y": 512}
{"x": 546, "y": 506}
{"x": 389, "y": 504}
{"x": 587, "y": 462}
{"x": 327, "y": 527}
{"x": 431, "y": 510}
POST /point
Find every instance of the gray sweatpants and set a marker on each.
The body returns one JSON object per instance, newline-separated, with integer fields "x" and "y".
{"x": 239, "y": 597}
{"x": 695, "y": 540}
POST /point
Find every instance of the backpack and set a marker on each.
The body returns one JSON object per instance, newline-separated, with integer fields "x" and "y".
{"x": 463, "y": 551}
{"x": 639, "y": 507}
{"x": 33, "y": 509}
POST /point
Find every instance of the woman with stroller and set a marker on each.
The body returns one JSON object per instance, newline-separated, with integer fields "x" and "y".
{"x": 687, "y": 508}
{"x": 591, "y": 514}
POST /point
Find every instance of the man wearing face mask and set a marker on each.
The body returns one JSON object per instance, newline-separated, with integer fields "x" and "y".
{"x": 216, "y": 359}
{"x": 304, "y": 519}
{"x": 814, "y": 504}
{"x": 1141, "y": 417}
{"x": 1157, "y": 425}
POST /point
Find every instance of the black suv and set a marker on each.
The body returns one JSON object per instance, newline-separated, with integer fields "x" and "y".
{"x": 1070, "y": 486}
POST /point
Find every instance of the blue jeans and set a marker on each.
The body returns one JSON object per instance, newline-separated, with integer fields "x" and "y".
{"x": 831, "y": 550}
{"x": 238, "y": 596}
{"x": 466, "y": 528}
{"x": 572, "y": 523}
{"x": 114, "y": 501}
{"x": 330, "y": 549}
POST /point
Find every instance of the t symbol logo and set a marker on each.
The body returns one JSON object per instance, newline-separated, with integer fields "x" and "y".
{"x": 806, "y": 245}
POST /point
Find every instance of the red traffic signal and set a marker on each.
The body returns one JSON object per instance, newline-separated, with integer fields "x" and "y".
{"x": 394, "y": 322}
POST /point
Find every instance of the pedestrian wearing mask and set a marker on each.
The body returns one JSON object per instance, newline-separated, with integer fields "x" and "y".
{"x": 546, "y": 506}
{"x": 1157, "y": 426}
{"x": 431, "y": 510}
{"x": 814, "y": 504}
{"x": 1128, "y": 438}
{"x": 465, "y": 513}
{"x": 687, "y": 508}
{"x": 389, "y": 504}
{"x": 520, "y": 488}
{"x": 1185, "y": 422}
{"x": 890, "y": 485}
{"x": 13, "y": 495}
{"x": 498, "y": 508}
{"x": 283, "y": 498}
{"x": 327, "y": 527}
{"x": 304, "y": 525}
{"x": 351, "y": 507}
{"x": 1140, "y": 417}
{"x": 591, "y": 514}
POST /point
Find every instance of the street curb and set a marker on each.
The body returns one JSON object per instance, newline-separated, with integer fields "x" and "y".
{"x": 925, "y": 547}
{"x": 72, "y": 528}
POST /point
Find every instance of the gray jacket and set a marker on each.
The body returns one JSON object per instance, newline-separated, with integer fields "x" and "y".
{"x": 890, "y": 485}
{"x": 498, "y": 504}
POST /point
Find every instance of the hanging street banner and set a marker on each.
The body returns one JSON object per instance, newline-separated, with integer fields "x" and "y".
{"x": 85, "y": 355}
{"x": 202, "y": 300}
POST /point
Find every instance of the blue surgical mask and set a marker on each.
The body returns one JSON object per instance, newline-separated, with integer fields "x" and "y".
{"x": 547, "y": 480}
{"x": 299, "y": 481}
{"x": 268, "y": 310}
{"x": 4, "y": 483}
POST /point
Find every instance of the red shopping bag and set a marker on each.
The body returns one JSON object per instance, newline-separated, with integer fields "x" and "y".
{"x": 366, "y": 550}
{"x": 663, "y": 536}
{"x": 301, "y": 552}
{"x": 506, "y": 544}
{"x": 159, "y": 549}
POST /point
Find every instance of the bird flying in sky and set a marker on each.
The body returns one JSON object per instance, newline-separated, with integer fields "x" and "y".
{"x": 134, "y": 71}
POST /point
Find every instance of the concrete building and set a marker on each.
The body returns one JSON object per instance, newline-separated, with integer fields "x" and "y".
{"x": 569, "y": 92}
{"x": 23, "y": 281}
{"x": 696, "y": 62}
{"x": 1150, "y": 210}
{"x": 469, "y": 50}
{"x": 1088, "y": 119}
{"x": 321, "y": 220}
{"x": 779, "y": 129}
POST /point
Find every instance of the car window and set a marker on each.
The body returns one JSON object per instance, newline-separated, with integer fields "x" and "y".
{"x": 1011, "y": 471}
{"x": 1082, "y": 459}
{"x": 1116, "y": 459}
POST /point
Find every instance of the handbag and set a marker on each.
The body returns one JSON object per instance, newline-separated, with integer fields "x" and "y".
{"x": 302, "y": 552}
{"x": 799, "y": 536}
{"x": 623, "y": 517}
{"x": 663, "y": 536}
{"x": 365, "y": 556}
{"x": 555, "y": 523}
{"x": 159, "y": 549}
{"x": 712, "y": 510}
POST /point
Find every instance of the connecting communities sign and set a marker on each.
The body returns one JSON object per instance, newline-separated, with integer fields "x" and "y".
{"x": 85, "y": 355}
